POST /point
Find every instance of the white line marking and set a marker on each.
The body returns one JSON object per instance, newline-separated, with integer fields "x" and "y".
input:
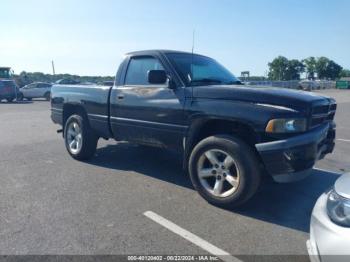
{"x": 328, "y": 171}
{"x": 344, "y": 140}
{"x": 223, "y": 255}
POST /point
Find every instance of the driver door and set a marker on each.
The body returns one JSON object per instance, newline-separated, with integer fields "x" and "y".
{"x": 147, "y": 113}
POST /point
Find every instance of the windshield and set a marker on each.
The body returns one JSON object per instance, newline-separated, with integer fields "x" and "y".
{"x": 5, "y": 73}
{"x": 198, "y": 70}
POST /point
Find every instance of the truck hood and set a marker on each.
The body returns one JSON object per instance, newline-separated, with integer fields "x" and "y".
{"x": 265, "y": 95}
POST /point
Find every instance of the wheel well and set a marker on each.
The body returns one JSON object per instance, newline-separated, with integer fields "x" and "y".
{"x": 71, "y": 109}
{"x": 220, "y": 127}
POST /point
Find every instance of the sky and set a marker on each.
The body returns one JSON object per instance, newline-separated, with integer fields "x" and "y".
{"x": 89, "y": 37}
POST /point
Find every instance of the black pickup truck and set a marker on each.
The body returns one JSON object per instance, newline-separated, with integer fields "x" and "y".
{"x": 229, "y": 134}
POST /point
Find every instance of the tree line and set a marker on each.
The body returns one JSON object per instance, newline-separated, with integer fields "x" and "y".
{"x": 281, "y": 68}
{"x": 25, "y": 78}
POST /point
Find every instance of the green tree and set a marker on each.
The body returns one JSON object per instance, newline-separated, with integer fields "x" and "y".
{"x": 310, "y": 66}
{"x": 294, "y": 69}
{"x": 321, "y": 67}
{"x": 333, "y": 70}
{"x": 327, "y": 69}
{"x": 283, "y": 69}
{"x": 278, "y": 68}
{"x": 345, "y": 73}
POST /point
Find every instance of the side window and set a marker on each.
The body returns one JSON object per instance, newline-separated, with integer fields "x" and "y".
{"x": 137, "y": 73}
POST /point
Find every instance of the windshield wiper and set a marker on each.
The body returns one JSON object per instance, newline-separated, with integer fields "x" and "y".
{"x": 236, "y": 82}
{"x": 206, "y": 80}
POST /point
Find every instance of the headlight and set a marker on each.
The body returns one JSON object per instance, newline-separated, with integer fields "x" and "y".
{"x": 286, "y": 125}
{"x": 338, "y": 209}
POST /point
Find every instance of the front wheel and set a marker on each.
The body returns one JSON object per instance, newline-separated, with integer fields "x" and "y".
{"x": 80, "y": 140}
{"x": 224, "y": 170}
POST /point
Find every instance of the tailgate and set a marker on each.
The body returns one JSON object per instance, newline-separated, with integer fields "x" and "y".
{"x": 7, "y": 88}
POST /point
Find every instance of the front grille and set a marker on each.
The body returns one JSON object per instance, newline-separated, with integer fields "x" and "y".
{"x": 322, "y": 114}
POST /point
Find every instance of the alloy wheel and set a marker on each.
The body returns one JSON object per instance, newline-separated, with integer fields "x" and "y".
{"x": 74, "y": 137}
{"x": 218, "y": 173}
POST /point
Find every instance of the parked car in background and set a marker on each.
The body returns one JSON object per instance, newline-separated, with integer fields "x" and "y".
{"x": 330, "y": 224}
{"x": 87, "y": 83}
{"x": 107, "y": 83}
{"x": 8, "y": 90}
{"x": 67, "y": 81}
{"x": 309, "y": 85}
{"x": 36, "y": 90}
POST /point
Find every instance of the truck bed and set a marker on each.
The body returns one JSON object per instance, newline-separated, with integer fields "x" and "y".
{"x": 94, "y": 99}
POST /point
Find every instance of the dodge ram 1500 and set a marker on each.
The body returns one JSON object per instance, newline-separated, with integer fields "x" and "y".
{"x": 229, "y": 134}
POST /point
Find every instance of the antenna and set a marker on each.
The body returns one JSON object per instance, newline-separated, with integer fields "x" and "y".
{"x": 191, "y": 77}
{"x": 53, "y": 67}
{"x": 193, "y": 37}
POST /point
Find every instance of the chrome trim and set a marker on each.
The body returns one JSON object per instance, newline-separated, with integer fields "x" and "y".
{"x": 122, "y": 119}
{"x": 56, "y": 109}
{"x": 277, "y": 107}
{"x": 98, "y": 116}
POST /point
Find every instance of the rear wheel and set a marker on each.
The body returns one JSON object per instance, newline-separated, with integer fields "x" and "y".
{"x": 80, "y": 140}
{"x": 19, "y": 97}
{"x": 224, "y": 170}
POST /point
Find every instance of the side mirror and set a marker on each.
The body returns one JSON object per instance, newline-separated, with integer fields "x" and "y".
{"x": 157, "y": 77}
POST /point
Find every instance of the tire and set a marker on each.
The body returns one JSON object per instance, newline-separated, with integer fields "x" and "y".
{"x": 9, "y": 100}
{"x": 29, "y": 98}
{"x": 19, "y": 97}
{"x": 85, "y": 139}
{"x": 241, "y": 168}
{"x": 47, "y": 96}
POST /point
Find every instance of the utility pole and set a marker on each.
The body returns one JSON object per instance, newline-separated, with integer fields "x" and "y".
{"x": 53, "y": 67}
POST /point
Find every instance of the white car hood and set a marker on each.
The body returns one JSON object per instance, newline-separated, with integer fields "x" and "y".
{"x": 342, "y": 185}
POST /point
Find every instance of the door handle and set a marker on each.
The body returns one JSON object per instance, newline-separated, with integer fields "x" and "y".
{"x": 120, "y": 97}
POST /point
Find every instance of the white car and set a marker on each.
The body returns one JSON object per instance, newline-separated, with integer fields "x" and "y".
{"x": 330, "y": 224}
{"x": 309, "y": 85}
{"x": 36, "y": 90}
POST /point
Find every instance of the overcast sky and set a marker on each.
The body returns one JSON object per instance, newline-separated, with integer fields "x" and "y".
{"x": 89, "y": 37}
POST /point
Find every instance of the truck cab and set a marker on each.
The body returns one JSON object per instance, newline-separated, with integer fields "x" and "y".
{"x": 6, "y": 73}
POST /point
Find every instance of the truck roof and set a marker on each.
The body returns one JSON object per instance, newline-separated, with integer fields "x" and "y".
{"x": 157, "y": 51}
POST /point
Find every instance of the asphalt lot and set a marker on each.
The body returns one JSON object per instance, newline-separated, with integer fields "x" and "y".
{"x": 51, "y": 204}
